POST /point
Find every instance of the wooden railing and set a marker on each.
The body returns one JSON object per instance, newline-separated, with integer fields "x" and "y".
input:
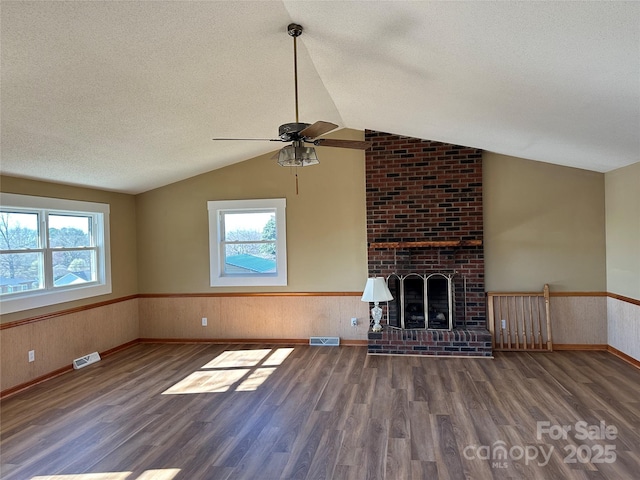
{"x": 520, "y": 321}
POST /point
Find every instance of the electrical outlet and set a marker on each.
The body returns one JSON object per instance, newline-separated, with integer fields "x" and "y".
{"x": 204, "y": 321}
{"x": 32, "y": 355}
{"x": 354, "y": 322}
{"x": 504, "y": 324}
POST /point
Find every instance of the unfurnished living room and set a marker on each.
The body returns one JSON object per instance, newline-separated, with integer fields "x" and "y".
{"x": 272, "y": 240}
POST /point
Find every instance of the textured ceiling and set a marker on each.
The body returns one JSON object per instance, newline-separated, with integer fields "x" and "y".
{"x": 126, "y": 96}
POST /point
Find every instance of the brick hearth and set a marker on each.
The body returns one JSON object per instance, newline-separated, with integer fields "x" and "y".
{"x": 456, "y": 342}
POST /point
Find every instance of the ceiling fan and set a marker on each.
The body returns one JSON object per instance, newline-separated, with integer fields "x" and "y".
{"x": 299, "y": 154}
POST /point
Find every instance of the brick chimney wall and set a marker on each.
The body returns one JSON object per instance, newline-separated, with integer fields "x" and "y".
{"x": 420, "y": 190}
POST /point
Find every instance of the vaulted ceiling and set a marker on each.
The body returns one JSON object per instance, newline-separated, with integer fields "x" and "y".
{"x": 126, "y": 96}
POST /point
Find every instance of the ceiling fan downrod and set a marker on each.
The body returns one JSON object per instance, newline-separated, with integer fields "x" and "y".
{"x": 295, "y": 31}
{"x": 297, "y": 154}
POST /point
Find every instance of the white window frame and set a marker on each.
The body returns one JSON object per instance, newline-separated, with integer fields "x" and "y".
{"x": 51, "y": 295}
{"x": 216, "y": 261}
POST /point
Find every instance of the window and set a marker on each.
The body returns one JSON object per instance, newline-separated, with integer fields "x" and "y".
{"x": 52, "y": 251}
{"x": 247, "y": 242}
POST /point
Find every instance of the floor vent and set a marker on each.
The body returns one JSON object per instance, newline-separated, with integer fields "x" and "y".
{"x": 86, "y": 360}
{"x": 325, "y": 341}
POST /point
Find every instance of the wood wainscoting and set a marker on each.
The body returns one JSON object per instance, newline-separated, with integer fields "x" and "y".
{"x": 623, "y": 325}
{"x": 520, "y": 321}
{"x": 59, "y": 338}
{"x": 250, "y": 315}
{"x": 576, "y": 318}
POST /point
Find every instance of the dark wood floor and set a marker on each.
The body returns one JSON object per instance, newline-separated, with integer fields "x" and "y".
{"x": 272, "y": 412}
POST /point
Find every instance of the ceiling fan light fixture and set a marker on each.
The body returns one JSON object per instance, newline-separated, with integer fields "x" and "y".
{"x": 297, "y": 155}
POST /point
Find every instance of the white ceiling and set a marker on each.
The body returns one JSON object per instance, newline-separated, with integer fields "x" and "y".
{"x": 126, "y": 96}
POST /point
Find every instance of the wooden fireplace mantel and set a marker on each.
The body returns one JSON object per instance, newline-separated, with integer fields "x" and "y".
{"x": 428, "y": 244}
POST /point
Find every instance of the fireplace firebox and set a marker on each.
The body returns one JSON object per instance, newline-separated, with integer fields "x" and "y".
{"x": 421, "y": 301}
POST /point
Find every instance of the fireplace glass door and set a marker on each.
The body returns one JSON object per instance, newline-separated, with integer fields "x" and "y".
{"x": 439, "y": 301}
{"x": 413, "y": 294}
{"x": 394, "y": 307}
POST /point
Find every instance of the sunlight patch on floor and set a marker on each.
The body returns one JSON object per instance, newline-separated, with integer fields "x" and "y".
{"x": 158, "y": 474}
{"x": 207, "y": 382}
{"x": 257, "y": 378}
{"x": 235, "y": 370}
{"x": 238, "y": 358}
{"x": 278, "y": 356}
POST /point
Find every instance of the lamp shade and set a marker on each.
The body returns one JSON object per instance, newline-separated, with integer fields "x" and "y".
{"x": 297, "y": 155}
{"x": 376, "y": 290}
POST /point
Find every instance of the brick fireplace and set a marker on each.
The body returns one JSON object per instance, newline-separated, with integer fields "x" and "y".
{"x": 424, "y": 217}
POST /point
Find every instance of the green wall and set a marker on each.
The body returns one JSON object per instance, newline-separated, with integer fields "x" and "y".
{"x": 543, "y": 224}
{"x": 623, "y": 231}
{"x": 326, "y": 223}
{"x": 124, "y": 269}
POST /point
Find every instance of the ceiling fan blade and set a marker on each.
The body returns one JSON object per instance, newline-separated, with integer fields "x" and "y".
{"x": 317, "y": 129}
{"x": 334, "y": 142}
{"x": 256, "y": 139}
